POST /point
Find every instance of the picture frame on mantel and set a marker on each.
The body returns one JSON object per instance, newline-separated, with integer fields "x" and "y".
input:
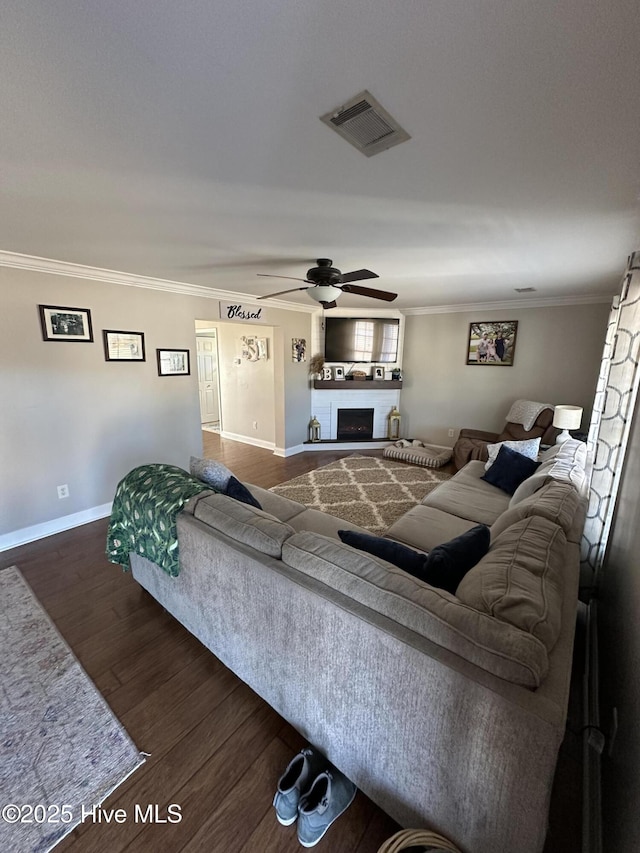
{"x": 378, "y": 372}
{"x": 492, "y": 343}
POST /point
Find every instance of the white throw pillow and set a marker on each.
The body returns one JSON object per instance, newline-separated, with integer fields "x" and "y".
{"x": 529, "y": 448}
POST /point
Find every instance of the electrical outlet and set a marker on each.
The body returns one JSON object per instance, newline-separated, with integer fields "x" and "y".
{"x": 451, "y": 433}
{"x": 255, "y": 424}
{"x": 63, "y": 491}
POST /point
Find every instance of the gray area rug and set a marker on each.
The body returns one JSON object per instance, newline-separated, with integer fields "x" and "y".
{"x": 61, "y": 747}
{"x": 369, "y": 491}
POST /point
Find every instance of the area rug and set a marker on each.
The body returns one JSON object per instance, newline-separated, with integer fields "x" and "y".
{"x": 62, "y": 749}
{"x": 369, "y": 491}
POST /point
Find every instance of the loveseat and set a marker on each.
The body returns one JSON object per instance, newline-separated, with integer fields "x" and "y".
{"x": 448, "y": 710}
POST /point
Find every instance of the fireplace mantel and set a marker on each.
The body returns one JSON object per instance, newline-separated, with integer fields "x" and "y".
{"x": 356, "y": 384}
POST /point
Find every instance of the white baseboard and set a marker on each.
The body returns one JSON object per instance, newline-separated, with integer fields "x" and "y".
{"x": 247, "y": 439}
{"x": 56, "y": 525}
{"x": 289, "y": 451}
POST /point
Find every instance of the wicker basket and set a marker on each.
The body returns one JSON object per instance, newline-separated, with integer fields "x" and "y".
{"x": 407, "y": 838}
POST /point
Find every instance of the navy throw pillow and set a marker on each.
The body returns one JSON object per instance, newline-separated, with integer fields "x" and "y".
{"x": 236, "y": 489}
{"x": 448, "y": 563}
{"x": 509, "y": 470}
{"x": 393, "y": 552}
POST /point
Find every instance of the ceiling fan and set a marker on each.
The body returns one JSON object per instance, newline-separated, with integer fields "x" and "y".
{"x": 326, "y": 284}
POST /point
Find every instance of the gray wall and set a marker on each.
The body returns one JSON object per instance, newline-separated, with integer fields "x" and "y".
{"x": 69, "y": 417}
{"x": 557, "y": 357}
{"x": 619, "y": 630}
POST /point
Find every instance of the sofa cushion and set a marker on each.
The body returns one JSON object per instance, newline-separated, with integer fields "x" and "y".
{"x": 283, "y": 508}
{"x": 239, "y": 492}
{"x": 316, "y": 521}
{"x": 509, "y": 469}
{"x": 424, "y": 527}
{"x": 529, "y": 447}
{"x": 520, "y": 581}
{"x": 466, "y": 495}
{"x": 211, "y": 472}
{"x": 435, "y": 614}
{"x": 243, "y": 523}
{"x": 556, "y": 501}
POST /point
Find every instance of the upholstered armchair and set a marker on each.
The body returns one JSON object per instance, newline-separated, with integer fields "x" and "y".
{"x": 526, "y": 419}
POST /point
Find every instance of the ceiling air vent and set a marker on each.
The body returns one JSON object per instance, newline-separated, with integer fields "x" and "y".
{"x": 366, "y": 125}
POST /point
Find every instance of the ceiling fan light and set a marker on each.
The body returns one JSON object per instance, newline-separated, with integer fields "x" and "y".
{"x": 324, "y": 293}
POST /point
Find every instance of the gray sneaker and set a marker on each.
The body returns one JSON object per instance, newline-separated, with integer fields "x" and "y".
{"x": 294, "y": 782}
{"x": 330, "y": 795}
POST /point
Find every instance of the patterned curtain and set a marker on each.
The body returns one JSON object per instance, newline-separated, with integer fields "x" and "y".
{"x": 613, "y": 409}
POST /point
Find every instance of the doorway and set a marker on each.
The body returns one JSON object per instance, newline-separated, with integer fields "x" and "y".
{"x": 209, "y": 379}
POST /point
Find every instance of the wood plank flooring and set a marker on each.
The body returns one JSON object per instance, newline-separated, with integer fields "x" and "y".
{"x": 216, "y": 749}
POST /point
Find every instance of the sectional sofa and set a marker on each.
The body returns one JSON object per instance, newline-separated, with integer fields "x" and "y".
{"x": 446, "y": 709}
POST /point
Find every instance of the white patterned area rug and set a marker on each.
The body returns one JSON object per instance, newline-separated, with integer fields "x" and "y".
{"x": 61, "y": 747}
{"x": 369, "y": 491}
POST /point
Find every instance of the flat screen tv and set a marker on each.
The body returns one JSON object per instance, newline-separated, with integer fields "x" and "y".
{"x": 361, "y": 339}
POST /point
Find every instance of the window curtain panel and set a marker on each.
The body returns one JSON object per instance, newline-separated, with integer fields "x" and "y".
{"x": 613, "y": 408}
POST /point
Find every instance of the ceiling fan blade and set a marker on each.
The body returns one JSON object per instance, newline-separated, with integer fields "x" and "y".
{"x": 368, "y": 291}
{"x": 290, "y": 277}
{"x": 281, "y": 292}
{"x": 358, "y": 275}
{"x": 326, "y": 305}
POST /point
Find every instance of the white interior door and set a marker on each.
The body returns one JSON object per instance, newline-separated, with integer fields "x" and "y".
{"x": 207, "y": 346}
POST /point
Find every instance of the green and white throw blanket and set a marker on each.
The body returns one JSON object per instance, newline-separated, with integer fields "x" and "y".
{"x": 143, "y": 516}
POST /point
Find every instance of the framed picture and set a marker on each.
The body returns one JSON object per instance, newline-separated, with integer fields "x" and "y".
{"x": 338, "y": 372}
{"x": 298, "y": 349}
{"x": 263, "y": 349}
{"x": 173, "y": 362}
{"x": 378, "y": 372}
{"x": 123, "y": 346}
{"x": 492, "y": 343}
{"x": 66, "y": 324}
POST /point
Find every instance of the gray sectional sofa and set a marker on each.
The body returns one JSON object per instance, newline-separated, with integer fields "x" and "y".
{"x": 447, "y": 710}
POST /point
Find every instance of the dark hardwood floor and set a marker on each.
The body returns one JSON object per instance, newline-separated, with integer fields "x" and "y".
{"x": 216, "y": 749}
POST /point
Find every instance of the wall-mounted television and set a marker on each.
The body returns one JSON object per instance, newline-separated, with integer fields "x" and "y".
{"x": 361, "y": 339}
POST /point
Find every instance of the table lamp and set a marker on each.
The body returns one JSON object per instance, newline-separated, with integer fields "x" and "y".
{"x": 566, "y": 418}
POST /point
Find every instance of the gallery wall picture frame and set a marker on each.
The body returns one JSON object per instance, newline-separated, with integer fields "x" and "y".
{"x": 492, "y": 343}
{"x": 298, "y": 349}
{"x": 173, "y": 362}
{"x": 123, "y": 346}
{"x": 66, "y": 324}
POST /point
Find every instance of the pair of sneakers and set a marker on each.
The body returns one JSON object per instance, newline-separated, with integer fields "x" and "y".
{"x": 313, "y": 792}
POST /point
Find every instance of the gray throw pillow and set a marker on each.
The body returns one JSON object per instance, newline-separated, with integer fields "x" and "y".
{"x": 211, "y": 472}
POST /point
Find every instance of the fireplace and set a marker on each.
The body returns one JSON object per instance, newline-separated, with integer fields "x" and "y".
{"x": 355, "y": 424}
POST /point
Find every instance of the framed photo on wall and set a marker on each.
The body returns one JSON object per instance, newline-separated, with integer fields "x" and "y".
{"x": 173, "y": 362}
{"x": 492, "y": 343}
{"x": 123, "y": 346}
{"x": 66, "y": 324}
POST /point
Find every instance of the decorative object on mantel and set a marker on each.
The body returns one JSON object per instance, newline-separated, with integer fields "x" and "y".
{"x": 326, "y": 374}
{"x": 394, "y": 424}
{"x": 298, "y": 349}
{"x": 314, "y": 429}
{"x": 338, "y": 372}
{"x": 492, "y": 343}
{"x": 378, "y": 372}
{"x": 316, "y": 363}
{"x": 566, "y": 418}
{"x": 66, "y": 324}
{"x": 357, "y": 374}
{"x": 396, "y": 374}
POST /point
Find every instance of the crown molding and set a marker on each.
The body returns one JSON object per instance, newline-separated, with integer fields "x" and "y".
{"x": 513, "y": 304}
{"x": 49, "y": 266}
{"x": 15, "y": 260}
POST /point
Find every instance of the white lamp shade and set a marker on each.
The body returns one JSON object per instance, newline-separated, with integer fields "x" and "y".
{"x": 324, "y": 293}
{"x": 567, "y": 417}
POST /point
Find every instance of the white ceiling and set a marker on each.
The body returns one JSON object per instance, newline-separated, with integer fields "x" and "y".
{"x": 181, "y": 140}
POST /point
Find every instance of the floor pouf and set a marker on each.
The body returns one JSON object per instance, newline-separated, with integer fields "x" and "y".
{"x": 417, "y": 453}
